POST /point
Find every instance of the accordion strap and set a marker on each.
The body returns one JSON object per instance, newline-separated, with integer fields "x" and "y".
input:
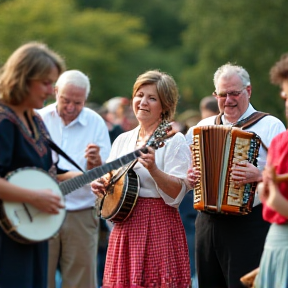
{"x": 250, "y": 120}
{"x": 246, "y": 122}
{"x": 218, "y": 120}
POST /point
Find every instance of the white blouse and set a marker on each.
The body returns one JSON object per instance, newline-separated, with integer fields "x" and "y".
{"x": 174, "y": 159}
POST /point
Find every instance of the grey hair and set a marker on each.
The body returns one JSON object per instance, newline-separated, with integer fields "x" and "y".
{"x": 228, "y": 70}
{"x": 75, "y": 77}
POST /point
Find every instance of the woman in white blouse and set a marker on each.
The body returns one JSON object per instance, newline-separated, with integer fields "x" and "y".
{"x": 149, "y": 248}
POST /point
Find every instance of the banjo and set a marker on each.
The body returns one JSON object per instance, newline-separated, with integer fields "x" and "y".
{"x": 25, "y": 223}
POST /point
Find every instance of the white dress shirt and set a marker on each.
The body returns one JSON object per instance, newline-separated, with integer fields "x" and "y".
{"x": 88, "y": 127}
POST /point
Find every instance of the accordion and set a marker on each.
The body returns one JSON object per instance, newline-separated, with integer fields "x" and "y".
{"x": 214, "y": 150}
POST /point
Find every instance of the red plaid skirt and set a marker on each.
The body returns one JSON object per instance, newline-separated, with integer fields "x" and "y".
{"x": 149, "y": 249}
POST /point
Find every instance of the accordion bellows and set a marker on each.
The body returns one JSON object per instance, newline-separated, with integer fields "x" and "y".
{"x": 214, "y": 150}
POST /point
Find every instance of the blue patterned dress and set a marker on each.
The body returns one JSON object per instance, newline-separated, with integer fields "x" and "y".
{"x": 22, "y": 265}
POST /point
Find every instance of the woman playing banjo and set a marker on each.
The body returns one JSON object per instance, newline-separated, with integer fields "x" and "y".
{"x": 26, "y": 81}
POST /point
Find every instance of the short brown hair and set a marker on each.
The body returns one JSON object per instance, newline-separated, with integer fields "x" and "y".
{"x": 31, "y": 61}
{"x": 279, "y": 72}
{"x": 166, "y": 88}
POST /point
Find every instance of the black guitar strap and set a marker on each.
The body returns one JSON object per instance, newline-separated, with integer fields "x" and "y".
{"x": 57, "y": 149}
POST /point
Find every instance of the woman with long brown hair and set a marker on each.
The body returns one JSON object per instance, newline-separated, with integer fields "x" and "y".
{"x": 26, "y": 80}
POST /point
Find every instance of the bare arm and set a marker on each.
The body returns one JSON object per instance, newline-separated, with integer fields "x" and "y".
{"x": 270, "y": 194}
{"x": 276, "y": 200}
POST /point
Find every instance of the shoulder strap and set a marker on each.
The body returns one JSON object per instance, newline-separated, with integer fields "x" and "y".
{"x": 218, "y": 120}
{"x": 45, "y": 134}
{"x": 250, "y": 120}
{"x": 245, "y": 123}
{"x": 57, "y": 149}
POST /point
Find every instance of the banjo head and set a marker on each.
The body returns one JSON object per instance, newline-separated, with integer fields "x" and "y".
{"x": 121, "y": 198}
{"x": 25, "y": 222}
{"x": 114, "y": 198}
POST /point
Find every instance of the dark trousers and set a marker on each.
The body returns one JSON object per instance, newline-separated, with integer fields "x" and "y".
{"x": 228, "y": 247}
{"x": 188, "y": 215}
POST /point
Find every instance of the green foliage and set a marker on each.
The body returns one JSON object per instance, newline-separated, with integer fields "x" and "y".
{"x": 161, "y": 17}
{"x": 113, "y": 41}
{"x": 103, "y": 45}
{"x": 251, "y": 34}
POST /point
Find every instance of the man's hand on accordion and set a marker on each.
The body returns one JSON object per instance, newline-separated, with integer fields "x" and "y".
{"x": 193, "y": 176}
{"x": 245, "y": 172}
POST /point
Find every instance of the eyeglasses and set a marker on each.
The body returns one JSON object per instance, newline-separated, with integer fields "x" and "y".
{"x": 231, "y": 93}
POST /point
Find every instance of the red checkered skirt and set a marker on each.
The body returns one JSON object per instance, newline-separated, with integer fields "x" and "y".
{"x": 149, "y": 249}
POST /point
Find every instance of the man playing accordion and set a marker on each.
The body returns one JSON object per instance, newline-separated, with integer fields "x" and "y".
{"x": 227, "y": 245}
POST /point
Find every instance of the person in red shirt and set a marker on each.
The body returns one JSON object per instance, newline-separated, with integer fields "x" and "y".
{"x": 274, "y": 196}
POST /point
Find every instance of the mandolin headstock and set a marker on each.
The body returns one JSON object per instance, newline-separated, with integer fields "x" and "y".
{"x": 157, "y": 140}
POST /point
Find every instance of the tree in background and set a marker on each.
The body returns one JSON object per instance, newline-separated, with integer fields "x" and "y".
{"x": 106, "y": 46}
{"x": 197, "y": 37}
{"x": 161, "y": 18}
{"x": 113, "y": 41}
{"x": 249, "y": 33}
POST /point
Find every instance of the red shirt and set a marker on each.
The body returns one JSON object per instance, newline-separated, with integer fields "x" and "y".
{"x": 278, "y": 157}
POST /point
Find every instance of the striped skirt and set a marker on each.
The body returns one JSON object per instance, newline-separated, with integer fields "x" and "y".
{"x": 149, "y": 249}
{"x": 274, "y": 262}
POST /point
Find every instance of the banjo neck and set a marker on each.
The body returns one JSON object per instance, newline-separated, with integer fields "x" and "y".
{"x": 155, "y": 141}
{"x": 79, "y": 181}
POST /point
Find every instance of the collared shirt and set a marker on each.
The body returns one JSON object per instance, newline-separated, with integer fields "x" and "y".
{"x": 266, "y": 128}
{"x": 88, "y": 127}
{"x": 173, "y": 159}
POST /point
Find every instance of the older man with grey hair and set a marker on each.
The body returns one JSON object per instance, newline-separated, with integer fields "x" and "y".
{"x": 229, "y": 246}
{"x": 83, "y": 135}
